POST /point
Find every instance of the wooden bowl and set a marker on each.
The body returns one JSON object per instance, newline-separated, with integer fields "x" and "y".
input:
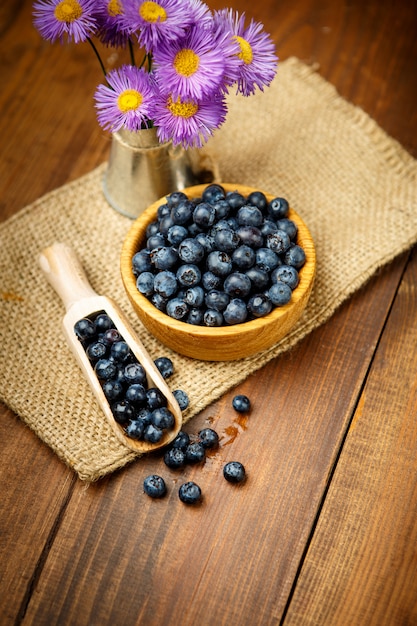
{"x": 224, "y": 343}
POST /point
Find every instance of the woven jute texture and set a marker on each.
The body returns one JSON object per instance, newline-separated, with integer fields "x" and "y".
{"x": 354, "y": 186}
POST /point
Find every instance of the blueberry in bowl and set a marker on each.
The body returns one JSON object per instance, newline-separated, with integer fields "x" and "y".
{"x": 219, "y": 272}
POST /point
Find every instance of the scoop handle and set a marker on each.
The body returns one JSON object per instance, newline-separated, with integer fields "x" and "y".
{"x": 65, "y": 273}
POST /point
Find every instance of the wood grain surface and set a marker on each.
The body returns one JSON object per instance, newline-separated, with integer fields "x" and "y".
{"x": 323, "y": 531}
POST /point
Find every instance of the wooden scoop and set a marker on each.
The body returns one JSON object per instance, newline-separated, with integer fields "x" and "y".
{"x": 66, "y": 275}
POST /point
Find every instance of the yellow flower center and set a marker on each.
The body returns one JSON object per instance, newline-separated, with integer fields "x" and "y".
{"x": 186, "y": 62}
{"x": 245, "y": 54}
{"x": 114, "y": 8}
{"x": 152, "y": 12}
{"x": 68, "y": 11}
{"x": 182, "y": 109}
{"x": 129, "y": 100}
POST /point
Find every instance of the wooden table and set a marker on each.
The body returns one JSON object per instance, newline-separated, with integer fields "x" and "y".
{"x": 324, "y": 531}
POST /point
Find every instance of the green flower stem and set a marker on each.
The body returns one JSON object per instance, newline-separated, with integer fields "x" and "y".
{"x": 132, "y": 52}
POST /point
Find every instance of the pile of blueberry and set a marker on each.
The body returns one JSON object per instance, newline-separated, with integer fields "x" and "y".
{"x": 185, "y": 450}
{"x": 141, "y": 410}
{"x": 220, "y": 259}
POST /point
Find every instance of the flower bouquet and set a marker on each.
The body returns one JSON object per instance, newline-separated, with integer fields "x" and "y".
{"x": 190, "y": 59}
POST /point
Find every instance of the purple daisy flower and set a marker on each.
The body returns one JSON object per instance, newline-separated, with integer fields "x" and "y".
{"x": 187, "y": 122}
{"x": 199, "y": 12}
{"x": 127, "y": 100}
{"x": 56, "y": 19}
{"x": 111, "y": 29}
{"x": 192, "y": 67}
{"x": 258, "y": 62}
{"x": 155, "y": 21}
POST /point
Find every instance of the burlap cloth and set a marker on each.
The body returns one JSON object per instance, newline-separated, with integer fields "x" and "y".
{"x": 354, "y": 186}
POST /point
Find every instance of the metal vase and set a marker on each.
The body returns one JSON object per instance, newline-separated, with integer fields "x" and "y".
{"x": 141, "y": 170}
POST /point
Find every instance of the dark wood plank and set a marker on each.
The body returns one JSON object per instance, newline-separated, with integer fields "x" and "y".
{"x": 361, "y": 566}
{"x": 121, "y": 558}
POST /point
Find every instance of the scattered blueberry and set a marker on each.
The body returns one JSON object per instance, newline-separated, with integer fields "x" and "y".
{"x": 208, "y": 438}
{"x": 189, "y": 493}
{"x": 174, "y": 458}
{"x": 195, "y": 452}
{"x": 234, "y": 472}
{"x": 182, "y": 398}
{"x": 154, "y": 486}
{"x": 165, "y": 366}
{"x": 241, "y": 403}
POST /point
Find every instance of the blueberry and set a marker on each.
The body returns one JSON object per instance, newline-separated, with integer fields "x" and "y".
{"x": 213, "y": 318}
{"x": 182, "y": 212}
{"x": 191, "y": 251}
{"x": 165, "y": 284}
{"x": 144, "y": 414}
{"x": 217, "y": 300}
{"x": 195, "y": 452}
{"x": 208, "y": 438}
{"x": 195, "y": 316}
{"x": 259, "y": 305}
{"x": 134, "y": 373}
{"x": 174, "y": 458}
{"x": 152, "y": 433}
{"x": 159, "y": 301}
{"x": 175, "y": 198}
{"x": 145, "y": 283}
{"x": 219, "y": 263}
{"x": 103, "y": 322}
{"x": 165, "y": 366}
{"x": 152, "y": 229}
{"x": 268, "y": 226}
{"x": 278, "y": 241}
{"x": 235, "y": 199}
{"x": 237, "y": 285}
{"x": 123, "y": 411}
{"x": 96, "y": 351}
{"x": 234, "y": 472}
{"x": 286, "y": 274}
{"x": 236, "y": 312}
{"x": 188, "y": 275}
{"x": 209, "y": 280}
{"x": 278, "y": 208}
{"x": 176, "y": 234}
{"x": 182, "y": 440}
{"x": 120, "y": 351}
{"x": 213, "y": 193}
{"x": 194, "y": 296}
{"x": 259, "y": 278}
{"x": 189, "y": 493}
{"x": 251, "y": 236}
{"x": 113, "y": 390}
{"x": 155, "y": 398}
{"x": 258, "y": 199}
{"x": 154, "y": 486}
{"x": 141, "y": 262}
{"x": 207, "y": 241}
{"x": 155, "y": 241}
{"x": 177, "y": 308}
{"x": 135, "y": 429}
{"x": 163, "y": 210}
{"x": 295, "y": 256}
{"x": 182, "y": 398}
{"x": 110, "y": 336}
{"x": 279, "y": 293}
{"x": 162, "y": 418}
{"x": 249, "y": 216}
{"x": 85, "y": 329}
{"x": 241, "y": 403}
{"x": 267, "y": 259}
{"x": 226, "y": 240}
{"x": 289, "y": 227}
{"x": 136, "y": 395}
{"x": 222, "y": 208}
{"x": 165, "y": 257}
{"x": 165, "y": 224}
{"x": 204, "y": 215}
{"x": 105, "y": 369}
{"x": 244, "y": 257}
